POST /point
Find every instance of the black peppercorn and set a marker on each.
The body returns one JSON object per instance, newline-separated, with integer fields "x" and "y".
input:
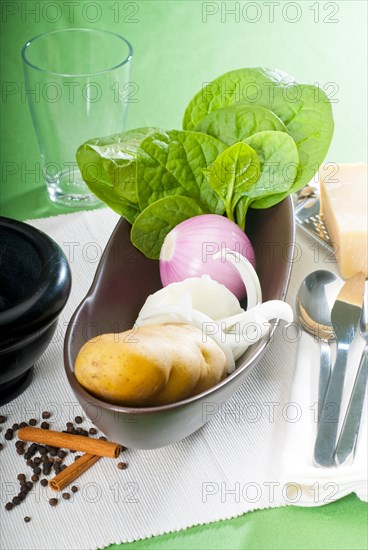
{"x": 9, "y": 434}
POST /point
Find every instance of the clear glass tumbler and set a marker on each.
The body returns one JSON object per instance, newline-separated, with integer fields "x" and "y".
{"x": 77, "y": 82}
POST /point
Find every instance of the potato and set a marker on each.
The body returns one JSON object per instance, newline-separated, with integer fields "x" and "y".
{"x": 154, "y": 365}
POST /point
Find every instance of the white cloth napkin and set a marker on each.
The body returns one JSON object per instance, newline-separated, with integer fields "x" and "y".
{"x": 243, "y": 459}
{"x": 311, "y": 485}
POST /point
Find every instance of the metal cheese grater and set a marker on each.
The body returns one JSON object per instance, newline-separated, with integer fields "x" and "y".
{"x": 308, "y": 217}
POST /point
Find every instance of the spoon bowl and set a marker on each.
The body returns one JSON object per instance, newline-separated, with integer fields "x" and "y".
{"x": 314, "y": 302}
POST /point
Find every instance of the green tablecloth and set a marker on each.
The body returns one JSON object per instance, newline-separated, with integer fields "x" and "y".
{"x": 177, "y": 47}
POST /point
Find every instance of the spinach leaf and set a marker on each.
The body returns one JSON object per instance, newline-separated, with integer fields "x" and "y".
{"x": 233, "y": 173}
{"x": 305, "y": 110}
{"x": 312, "y": 129}
{"x": 279, "y": 159}
{"x": 154, "y": 223}
{"x": 173, "y": 163}
{"x": 253, "y": 86}
{"x": 237, "y": 122}
{"x": 108, "y": 166}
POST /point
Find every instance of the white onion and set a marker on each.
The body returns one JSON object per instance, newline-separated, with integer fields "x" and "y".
{"x": 247, "y": 274}
{"x": 189, "y": 249}
{"x": 197, "y": 301}
{"x": 211, "y": 307}
{"x": 201, "y": 293}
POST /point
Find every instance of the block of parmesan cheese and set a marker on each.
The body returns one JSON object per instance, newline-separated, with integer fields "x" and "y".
{"x": 344, "y": 208}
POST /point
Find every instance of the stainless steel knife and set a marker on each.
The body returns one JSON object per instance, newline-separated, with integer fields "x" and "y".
{"x": 350, "y": 428}
{"x": 345, "y": 316}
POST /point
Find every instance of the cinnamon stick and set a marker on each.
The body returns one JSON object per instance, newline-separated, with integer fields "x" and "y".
{"x": 69, "y": 441}
{"x": 72, "y": 472}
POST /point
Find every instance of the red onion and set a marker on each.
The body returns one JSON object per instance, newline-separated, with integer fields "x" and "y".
{"x": 188, "y": 251}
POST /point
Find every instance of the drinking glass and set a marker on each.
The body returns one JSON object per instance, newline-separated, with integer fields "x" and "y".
{"x": 77, "y": 82}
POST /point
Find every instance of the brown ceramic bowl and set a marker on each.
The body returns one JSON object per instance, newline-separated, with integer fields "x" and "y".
{"x": 123, "y": 281}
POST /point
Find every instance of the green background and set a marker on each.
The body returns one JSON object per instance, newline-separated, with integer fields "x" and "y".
{"x": 177, "y": 47}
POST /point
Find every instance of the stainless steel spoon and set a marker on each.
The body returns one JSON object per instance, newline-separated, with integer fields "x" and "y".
{"x": 314, "y": 301}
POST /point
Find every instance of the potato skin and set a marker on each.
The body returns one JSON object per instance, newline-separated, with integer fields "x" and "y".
{"x": 156, "y": 365}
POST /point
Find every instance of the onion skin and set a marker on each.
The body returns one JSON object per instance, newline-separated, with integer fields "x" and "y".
{"x": 189, "y": 248}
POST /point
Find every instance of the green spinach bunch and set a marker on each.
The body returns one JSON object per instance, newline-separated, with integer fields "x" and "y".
{"x": 250, "y": 138}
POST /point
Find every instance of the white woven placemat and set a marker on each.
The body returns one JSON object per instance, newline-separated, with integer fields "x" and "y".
{"x": 240, "y": 461}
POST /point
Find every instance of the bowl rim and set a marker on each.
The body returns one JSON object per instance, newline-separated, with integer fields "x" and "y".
{"x": 91, "y": 399}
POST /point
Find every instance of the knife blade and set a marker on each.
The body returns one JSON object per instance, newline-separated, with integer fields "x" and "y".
{"x": 345, "y": 316}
